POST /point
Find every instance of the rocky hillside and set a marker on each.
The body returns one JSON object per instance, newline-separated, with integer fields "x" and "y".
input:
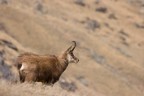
{"x": 110, "y": 41}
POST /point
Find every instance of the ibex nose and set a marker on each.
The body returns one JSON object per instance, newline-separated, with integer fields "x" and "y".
{"x": 77, "y": 60}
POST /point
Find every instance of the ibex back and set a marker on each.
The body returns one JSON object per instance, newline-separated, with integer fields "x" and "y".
{"x": 44, "y": 68}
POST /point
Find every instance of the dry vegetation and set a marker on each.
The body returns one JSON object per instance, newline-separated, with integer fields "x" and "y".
{"x": 110, "y": 45}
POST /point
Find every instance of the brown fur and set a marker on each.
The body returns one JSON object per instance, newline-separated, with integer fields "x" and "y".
{"x": 43, "y": 68}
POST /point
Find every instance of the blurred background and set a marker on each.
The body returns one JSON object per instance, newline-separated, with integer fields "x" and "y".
{"x": 109, "y": 35}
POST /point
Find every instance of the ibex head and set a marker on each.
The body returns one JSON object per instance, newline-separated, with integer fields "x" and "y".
{"x": 69, "y": 54}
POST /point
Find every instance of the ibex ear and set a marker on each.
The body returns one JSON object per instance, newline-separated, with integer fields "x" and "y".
{"x": 71, "y": 48}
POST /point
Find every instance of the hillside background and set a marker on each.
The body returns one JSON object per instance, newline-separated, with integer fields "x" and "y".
{"x": 110, "y": 38}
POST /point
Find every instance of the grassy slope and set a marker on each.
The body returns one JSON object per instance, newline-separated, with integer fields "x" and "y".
{"x": 110, "y": 60}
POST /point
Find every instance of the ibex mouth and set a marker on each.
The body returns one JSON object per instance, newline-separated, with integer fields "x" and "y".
{"x": 76, "y": 61}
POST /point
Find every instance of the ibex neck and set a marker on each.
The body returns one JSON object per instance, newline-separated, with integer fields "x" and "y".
{"x": 63, "y": 61}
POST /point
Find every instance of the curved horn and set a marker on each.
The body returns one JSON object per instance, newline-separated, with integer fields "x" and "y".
{"x": 71, "y": 48}
{"x": 74, "y": 45}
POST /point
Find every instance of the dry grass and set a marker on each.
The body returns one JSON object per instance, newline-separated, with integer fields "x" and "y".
{"x": 25, "y": 89}
{"x": 111, "y": 54}
{"x": 39, "y": 89}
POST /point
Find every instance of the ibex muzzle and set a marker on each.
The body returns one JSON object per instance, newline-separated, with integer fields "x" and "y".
{"x": 70, "y": 56}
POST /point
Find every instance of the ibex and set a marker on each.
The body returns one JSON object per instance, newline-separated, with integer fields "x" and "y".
{"x": 44, "y": 68}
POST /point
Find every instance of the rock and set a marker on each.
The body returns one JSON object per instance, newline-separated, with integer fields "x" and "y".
{"x": 97, "y": 1}
{"x": 69, "y": 86}
{"x": 92, "y": 24}
{"x": 82, "y": 80}
{"x": 4, "y": 1}
{"x": 112, "y": 16}
{"x": 40, "y": 7}
{"x": 1, "y": 57}
{"x": 1, "y": 26}
{"x": 4, "y": 69}
{"x": 139, "y": 25}
{"x": 122, "y": 32}
{"x": 80, "y": 2}
{"x": 108, "y": 26}
{"x": 7, "y": 70}
{"x": 97, "y": 57}
{"x": 141, "y": 44}
{"x": 101, "y": 9}
{"x": 9, "y": 44}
